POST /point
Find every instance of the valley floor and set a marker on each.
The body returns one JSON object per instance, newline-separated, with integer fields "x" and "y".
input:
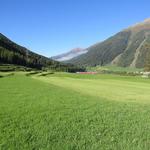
{"x": 72, "y": 111}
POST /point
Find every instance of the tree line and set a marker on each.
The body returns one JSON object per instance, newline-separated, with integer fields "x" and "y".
{"x": 11, "y": 53}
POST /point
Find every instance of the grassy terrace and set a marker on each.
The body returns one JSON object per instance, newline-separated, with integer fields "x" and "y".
{"x": 72, "y": 111}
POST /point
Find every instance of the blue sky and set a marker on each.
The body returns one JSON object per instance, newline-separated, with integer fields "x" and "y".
{"x": 51, "y": 27}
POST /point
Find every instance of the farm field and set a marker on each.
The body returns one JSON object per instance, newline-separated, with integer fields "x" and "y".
{"x": 74, "y": 112}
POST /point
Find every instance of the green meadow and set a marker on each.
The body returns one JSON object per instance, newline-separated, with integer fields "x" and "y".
{"x": 114, "y": 69}
{"x": 62, "y": 111}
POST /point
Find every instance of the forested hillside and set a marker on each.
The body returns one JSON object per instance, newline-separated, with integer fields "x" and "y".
{"x": 12, "y": 53}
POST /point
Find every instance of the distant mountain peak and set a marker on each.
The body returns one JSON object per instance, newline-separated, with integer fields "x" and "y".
{"x": 78, "y": 49}
{"x": 69, "y": 55}
{"x": 147, "y": 20}
{"x": 144, "y": 25}
{"x": 143, "y": 22}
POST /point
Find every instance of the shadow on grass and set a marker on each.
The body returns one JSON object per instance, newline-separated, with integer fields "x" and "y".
{"x": 6, "y": 75}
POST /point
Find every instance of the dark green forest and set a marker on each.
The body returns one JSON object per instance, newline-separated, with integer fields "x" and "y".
{"x": 12, "y": 53}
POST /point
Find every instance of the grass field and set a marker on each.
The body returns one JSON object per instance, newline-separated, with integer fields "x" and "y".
{"x": 114, "y": 69}
{"x": 71, "y": 111}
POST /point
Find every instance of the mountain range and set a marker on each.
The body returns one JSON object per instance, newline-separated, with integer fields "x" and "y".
{"x": 71, "y": 54}
{"x": 128, "y": 48}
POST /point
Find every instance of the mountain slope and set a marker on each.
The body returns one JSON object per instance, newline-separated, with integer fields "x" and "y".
{"x": 12, "y": 53}
{"x": 69, "y": 55}
{"x": 129, "y": 47}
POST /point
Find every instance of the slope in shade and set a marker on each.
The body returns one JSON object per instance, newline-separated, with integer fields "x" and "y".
{"x": 15, "y": 54}
{"x": 12, "y": 53}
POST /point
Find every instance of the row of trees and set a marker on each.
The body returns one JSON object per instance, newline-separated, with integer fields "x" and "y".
{"x": 13, "y": 57}
{"x": 33, "y": 60}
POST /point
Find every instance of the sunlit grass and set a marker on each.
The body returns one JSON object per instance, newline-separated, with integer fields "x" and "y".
{"x": 69, "y": 111}
{"x": 110, "y": 87}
